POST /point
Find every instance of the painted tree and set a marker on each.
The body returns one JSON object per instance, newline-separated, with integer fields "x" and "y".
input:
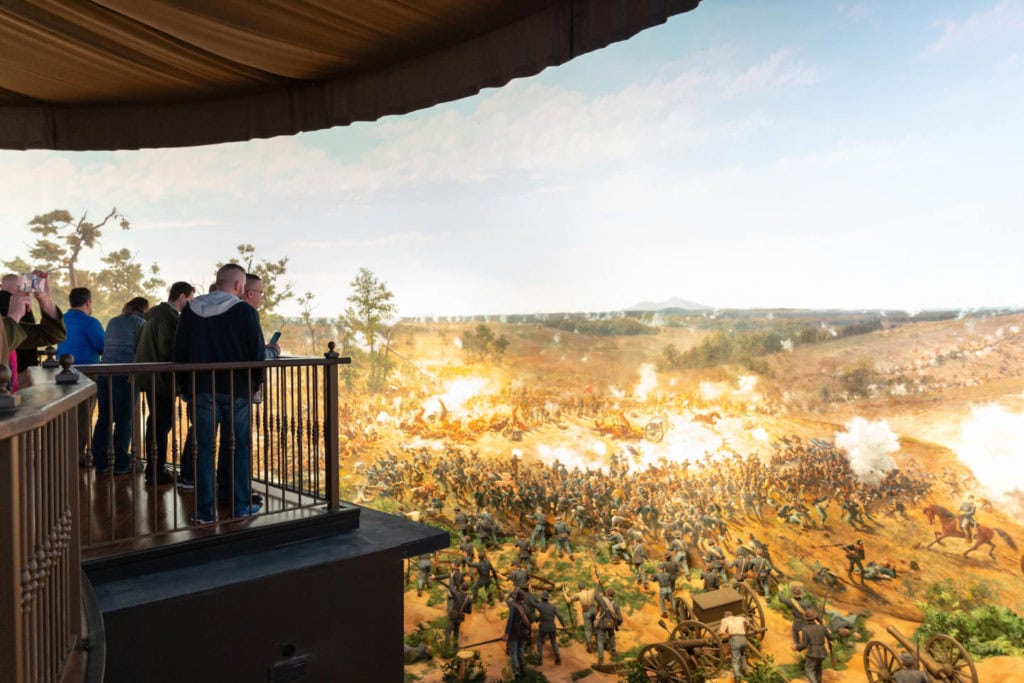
{"x": 62, "y": 239}
{"x": 271, "y": 274}
{"x": 370, "y": 314}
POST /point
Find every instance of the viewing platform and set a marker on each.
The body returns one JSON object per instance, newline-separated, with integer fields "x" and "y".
{"x": 104, "y": 576}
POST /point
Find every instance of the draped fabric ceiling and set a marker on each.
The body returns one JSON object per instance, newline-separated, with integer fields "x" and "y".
{"x": 128, "y": 74}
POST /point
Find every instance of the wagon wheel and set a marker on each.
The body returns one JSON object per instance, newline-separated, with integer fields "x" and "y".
{"x": 708, "y": 657}
{"x": 751, "y": 605}
{"x": 662, "y": 663}
{"x": 654, "y": 431}
{"x": 880, "y": 662}
{"x": 952, "y": 660}
{"x": 683, "y": 612}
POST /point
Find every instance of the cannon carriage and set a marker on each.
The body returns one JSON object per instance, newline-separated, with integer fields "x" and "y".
{"x": 942, "y": 657}
{"x": 694, "y": 644}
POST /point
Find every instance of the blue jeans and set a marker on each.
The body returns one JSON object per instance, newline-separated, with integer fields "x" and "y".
{"x": 117, "y": 390}
{"x": 213, "y": 411}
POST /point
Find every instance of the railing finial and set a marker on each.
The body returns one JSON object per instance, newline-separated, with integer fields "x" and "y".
{"x": 331, "y": 353}
{"x": 67, "y": 375}
{"x": 51, "y": 358}
{"x": 8, "y": 402}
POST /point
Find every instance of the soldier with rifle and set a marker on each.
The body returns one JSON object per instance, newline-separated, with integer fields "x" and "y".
{"x": 608, "y": 620}
{"x": 540, "y": 521}
{"x": 461, "y": 521}
{"x": 517, "y": 633}
{"x": 855, "y": 554}
{"x": 762, "y": 569}
{"x": 459, "y": 605}
{"x": 816, "y": 639}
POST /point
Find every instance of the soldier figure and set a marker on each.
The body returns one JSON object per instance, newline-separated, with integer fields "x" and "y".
{"x": 546, "y": 630}
{"x": 855, "y": 554}
{"x": 587, "y": 597}
{"x": 485, "y": 574}
{"x": 525, "y": 550}
{"x": 519, "y": 576}
{"x": 461, "y": 521}
{"x": 909, "y": 673}
{"x": 517, "y": 633}
{"x": 762, "y": 568}
{"x": 967, "y": 511}
{"x": 666, "y": 596}
{"x": 814, "y": 638}
{"x": 680, "y": 553}
{"x": 424, "y": 565}
{"x": 798, "y": 605}
{"x": 467, "y": 549}
{"x": 638, "y": 557}
{"x": 618, "y": 546}
{"x": 608, "y": 620}
{"x": 540, "y": 521}
{"x": 459, "y": 605}
{"x": 562, "y": 537}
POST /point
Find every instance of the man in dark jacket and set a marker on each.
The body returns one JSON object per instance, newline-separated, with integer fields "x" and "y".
{"x": 517, "y": 632}
{"x": 816, "y": 639}
{"x": 156, "y": 345}
{"x": 219, "y": 328}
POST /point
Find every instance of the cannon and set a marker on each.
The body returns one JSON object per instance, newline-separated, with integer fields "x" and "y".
{"x": 694, "y": 645}
{"x": 943, "y": 658}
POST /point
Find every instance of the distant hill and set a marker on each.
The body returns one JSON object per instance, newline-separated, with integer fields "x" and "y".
{"x": 674, "y": 302}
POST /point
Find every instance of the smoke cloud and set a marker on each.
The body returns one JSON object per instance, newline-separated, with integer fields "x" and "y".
{"x": 989, "y": 443}
{"x": 648, "y": 382}
{"x": 869, "y": 444}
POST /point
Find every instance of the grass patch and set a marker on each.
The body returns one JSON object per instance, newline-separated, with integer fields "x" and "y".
{"x": 580, "y": 675}
{"x": 985, "y": 631}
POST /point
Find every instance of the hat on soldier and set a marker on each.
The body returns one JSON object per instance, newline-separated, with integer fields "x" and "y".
{"x": 796, "y": 589}
{"x": 907, "y": 659}
{"x": 544, "y": 595}
{"x": 810, "y": 615}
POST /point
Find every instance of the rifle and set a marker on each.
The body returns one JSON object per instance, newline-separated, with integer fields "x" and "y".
{"x": 568, "y": 606}
{"x": 546, "y": 582}
{"x": 484, "y": 642}
{"x": 830, "y": 545}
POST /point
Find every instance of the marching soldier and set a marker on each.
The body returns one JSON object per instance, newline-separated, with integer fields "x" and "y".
{"x": 817, "y": 640}
{"x": 762, "y": 568}
{"x": 637, "y": 559}
{"x": 461, "y": 521}
{"x": 587, "y": 597}
{"x": 618, "y": 545}
{"x": 525, "y": 550}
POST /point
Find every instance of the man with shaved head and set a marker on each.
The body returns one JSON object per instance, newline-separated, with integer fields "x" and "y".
{"x": 215, "y": 328}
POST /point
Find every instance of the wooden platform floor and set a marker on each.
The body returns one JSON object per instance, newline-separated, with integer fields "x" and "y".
{"x": 121, "y": 513}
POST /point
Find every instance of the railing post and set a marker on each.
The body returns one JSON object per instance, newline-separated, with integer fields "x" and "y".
{"x": 333, "y": 466}
{"x": 12, "y": 664}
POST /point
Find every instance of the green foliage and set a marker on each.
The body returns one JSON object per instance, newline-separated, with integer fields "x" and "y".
{"x": 482, "y": 345}
{"x": 859, "y": 377}
{"x": 580, "y": 675}
{"x": 973, "y": 616}
{"x": 764, "y": 671}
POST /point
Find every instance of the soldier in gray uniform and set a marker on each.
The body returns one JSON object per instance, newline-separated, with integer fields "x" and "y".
{"x": 666, "y": 598}
{"x": 519, "y": 576}
{"x": 467, "y": 549}
{"x": 637, "y": 559}
{"x": 909, "y": 673}
{"x": 680, "y": 553}
{"x": 461, "y": 521}
{"x": 587, "y": 597}
{"x": 547, "y": 630}
{"x": 562, "y": 537}
{"x": 798, "y": 605}
{"x": 618, "y": 546}
{"x": 608, "y": 620}
{"x": 762, "y": 568}
{"x": 525, "y": 550}
{"x": 424, "y": 565}
{"x": 485, "y": 575}
{"x": 816, "y": 639}
{"x": 967, "y": 511}
{"x": 540, "y": 521}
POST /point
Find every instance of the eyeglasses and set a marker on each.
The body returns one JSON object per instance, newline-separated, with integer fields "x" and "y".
{"x": 255, "y": 291}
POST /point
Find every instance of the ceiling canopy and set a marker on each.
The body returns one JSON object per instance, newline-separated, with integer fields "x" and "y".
{"x": 128, "y": 74}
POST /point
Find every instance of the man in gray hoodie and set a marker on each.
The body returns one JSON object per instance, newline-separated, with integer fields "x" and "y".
{"x": 217, "y": 328}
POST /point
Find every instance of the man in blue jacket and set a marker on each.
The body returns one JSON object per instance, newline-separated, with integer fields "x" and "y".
{"x": 85, "y": 342}
{"x": 219, "y": 328}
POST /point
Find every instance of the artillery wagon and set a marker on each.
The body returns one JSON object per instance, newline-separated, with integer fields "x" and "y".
{"x": 694, "y": 644}
{"x": 942, "y": 657}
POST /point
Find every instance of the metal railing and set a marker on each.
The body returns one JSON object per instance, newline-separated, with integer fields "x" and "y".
{"x": 40, "y": 589}
{"x": 276, "y": 447}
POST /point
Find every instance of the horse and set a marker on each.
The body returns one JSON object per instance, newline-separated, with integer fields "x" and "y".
{"x": 949, "y": 527}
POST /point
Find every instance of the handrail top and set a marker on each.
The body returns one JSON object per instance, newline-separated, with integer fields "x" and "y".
{"x": 43, "y": 401}
{"x": 289, "y": 362}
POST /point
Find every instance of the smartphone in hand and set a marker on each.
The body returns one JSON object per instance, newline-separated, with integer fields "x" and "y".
{"x": 275, "y": 337}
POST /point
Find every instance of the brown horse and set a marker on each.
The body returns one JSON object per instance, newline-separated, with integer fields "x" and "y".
{"x": 949, "y": 527}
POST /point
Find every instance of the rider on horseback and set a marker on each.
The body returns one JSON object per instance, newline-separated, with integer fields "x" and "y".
{"x": 967, "y": 523}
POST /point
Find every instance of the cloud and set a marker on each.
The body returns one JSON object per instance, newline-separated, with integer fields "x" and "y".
{"x": 1005, "y": 17}
{"x": 854, "y": 10}
{"x": 380, "y": 241}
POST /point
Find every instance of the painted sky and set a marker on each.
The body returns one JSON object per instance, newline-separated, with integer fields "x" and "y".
{"x": 747, "y": 154}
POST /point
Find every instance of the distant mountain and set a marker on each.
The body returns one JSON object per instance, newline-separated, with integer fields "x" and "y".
{"x": 674, "y": 302}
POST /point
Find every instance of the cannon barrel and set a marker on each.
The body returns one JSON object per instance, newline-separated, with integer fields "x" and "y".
{"x": 692, "y": 643}
{"x": 929, "y": 664}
